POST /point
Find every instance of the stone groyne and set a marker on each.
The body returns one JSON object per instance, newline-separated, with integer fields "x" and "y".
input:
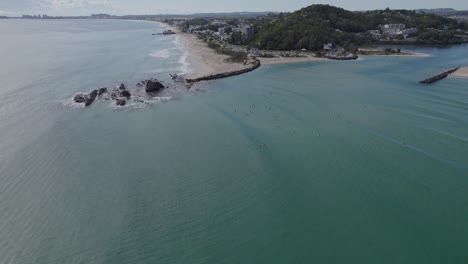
{"x": 256, "y": 64}
{"x": 438, "y": 77}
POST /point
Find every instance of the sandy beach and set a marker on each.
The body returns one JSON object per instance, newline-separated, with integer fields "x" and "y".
{"x": 460, "y": 73}
{"x": 204, "y": 60}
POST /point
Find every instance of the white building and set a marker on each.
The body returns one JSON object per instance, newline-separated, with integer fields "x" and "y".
{"x": 375, "y": 34}
{"x": 328, "y": 46}
{"x": 221, "y": 31}
{"x": 409, "y": 31}
{"x": 246, "y": 30}
{"x": 392, "y": 28}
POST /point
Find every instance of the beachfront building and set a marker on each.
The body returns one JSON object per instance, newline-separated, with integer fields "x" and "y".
{"x": 192, "y": 28}
{"x": 328, "y": 46}
{"x": 409, "y": 31}
{"x": 221, "y": 31}
{"x": 247, "y": 31}
{"x": 375, "y": 34}
{"x": 392, "y": 28}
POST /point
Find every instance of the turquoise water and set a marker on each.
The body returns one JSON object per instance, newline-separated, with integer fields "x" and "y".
{"x": 323, "y": 162}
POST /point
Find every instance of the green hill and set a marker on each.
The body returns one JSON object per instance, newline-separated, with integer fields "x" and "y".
{"x": 313, "y": 26}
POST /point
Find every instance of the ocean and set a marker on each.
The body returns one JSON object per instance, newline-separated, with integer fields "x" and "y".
{"x": 316, "y": 162}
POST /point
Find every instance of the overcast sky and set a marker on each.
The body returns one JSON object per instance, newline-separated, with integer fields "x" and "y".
{"x": 120, "y": 7}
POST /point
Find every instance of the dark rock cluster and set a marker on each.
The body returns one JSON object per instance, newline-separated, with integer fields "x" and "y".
{"x": 120, "y": 94}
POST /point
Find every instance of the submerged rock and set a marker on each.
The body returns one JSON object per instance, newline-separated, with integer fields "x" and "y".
{"x": 154, "y": 86}
{"x": 80, "y": 98}
{"x": 120, "y": 102}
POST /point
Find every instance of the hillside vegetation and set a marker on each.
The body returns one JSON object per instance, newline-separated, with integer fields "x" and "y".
{"x": 313, "y": 26}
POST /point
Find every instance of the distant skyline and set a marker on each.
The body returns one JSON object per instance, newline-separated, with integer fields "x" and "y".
{"x": 124, "y": 7}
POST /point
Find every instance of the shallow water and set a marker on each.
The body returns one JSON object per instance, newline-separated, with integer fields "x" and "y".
{"x": 325, "y": 162}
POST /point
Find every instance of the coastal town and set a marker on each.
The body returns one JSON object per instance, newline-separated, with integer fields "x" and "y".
{"x": 229, "y": 36}
{"x": 319, "y": 30}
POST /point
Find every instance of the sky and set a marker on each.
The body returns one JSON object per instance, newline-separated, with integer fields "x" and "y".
{"x": 123, "y": 7}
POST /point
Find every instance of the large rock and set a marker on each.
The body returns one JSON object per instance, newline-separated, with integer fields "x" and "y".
{"x": 125, "y": 94}
{"x": 154, "y": 86}
{"x": 102, "y": 91}
{"x": 92, "y": 98}
{"x": 120, "y": 92}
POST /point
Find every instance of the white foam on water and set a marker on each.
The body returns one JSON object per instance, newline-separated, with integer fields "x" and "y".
{"x": 70, "y": 102}
{"x": 185, "y": 67}
{"x": 141, "y": 103}
{"x": 162, "y": 54}
{"x": 163, "y": 70}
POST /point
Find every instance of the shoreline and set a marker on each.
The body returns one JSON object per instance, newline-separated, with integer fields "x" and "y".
{"x": 204, "y": 62}
{"x": 461, "y": 73}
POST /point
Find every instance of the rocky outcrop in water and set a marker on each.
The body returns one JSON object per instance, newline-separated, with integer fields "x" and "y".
{"x": 121, "y": 92}
{"x": 102, "y": 91}
{"x": 144, "y": 92}
{"x": 120, "y": 102}
{"x": 154, "y": 86}
{"x": 438, "y": 77}
{"x": 92, "y": 98}
{"x": 86, "y": 99}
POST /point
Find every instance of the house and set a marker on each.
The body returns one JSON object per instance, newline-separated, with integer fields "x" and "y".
{"x": 328, "y": 46}
{"x": 192, "y": 28}
{"x": 221, "y": 31}
{"x": 246, "y": 30}
{"x": 392, "y": 28}
{"x": 409, "y": 31}
{"x": 375, "y": 34}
